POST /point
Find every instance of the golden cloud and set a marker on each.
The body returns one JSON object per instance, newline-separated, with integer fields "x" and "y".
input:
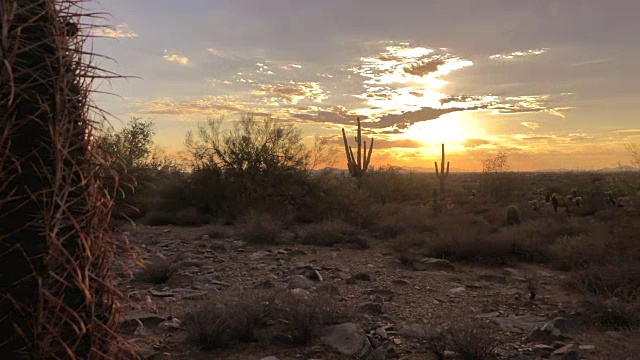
{"x": 122, "y": 31}
{"x": 518, "y": 54}
{"x": 176, "y": 58}
{"x": 293, "y": 92}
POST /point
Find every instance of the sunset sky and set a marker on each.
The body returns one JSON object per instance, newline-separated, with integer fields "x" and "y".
{"x": 554, "y": 83}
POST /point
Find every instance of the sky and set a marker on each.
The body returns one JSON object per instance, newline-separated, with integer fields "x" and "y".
{"x": 553, "y": 83}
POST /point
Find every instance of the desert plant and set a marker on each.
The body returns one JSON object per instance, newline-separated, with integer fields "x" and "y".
{"x": 260, "y": 227}
{"x": 56, "y": 297}
{"x": 472, "y": 340}
{"x": 441, "y": 174}
{"x": 513, "y": 215}
{"x": 305, "y": 314}
{"x": 358, "y": 164}
{"x": 634, "y": 151}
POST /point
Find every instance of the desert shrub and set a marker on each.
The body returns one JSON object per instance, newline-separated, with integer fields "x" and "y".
{"x": 390, "y": 185}
{"x": 621, "y": 281}
{"x": 231, "y": 317}
{"x": 396, "y": 219}
{"x": 469, "y": 338}
{"x": 190, "y": 217}
{"x": 157, "y": 271}
{"x": 328, "y": 233}
{"x": 582, "y": 251}
{"x": 513, "y": 215}
{"x": 260, "y": 227}
{"x": 240, "y": 316}
{"x": 305, "y": 314}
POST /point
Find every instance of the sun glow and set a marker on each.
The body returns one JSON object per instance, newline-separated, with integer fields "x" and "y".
{"x": 446, "y": 129}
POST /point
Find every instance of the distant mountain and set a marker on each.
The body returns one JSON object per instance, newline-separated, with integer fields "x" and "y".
{"x": 420, "y": 169}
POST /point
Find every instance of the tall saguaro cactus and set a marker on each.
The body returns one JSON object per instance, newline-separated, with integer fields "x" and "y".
{"x": 441, "y": 174}
{"x": 358, "y": 164}
{"x": 56, "y": 301}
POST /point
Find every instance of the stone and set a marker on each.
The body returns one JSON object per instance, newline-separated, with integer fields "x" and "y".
{"x": 433, "y": 264}
{"x": 347, "y": 339}
{"x": 415, "y": 331}
{"x": 519, "y": 324}
{"x": 147, "y": 319}
{"x": 258, "y": 255}
{"x": 315, "y": 275}
{"x": 296, "y": 252}
{"x": 237, "y": 244}
{"x": 384, "y": 294}
{"x": 206, "y": 238}
{"x": 363, "y": 277}
{"x": 329, "y": 290}
{"x": 378, "y": 353}
{"x": 300, "y": 292}
{"x": 400, "y": 282}
{"x": 218, "y": 247}
{"x": 568, "y": 352}
{"x": 265, "y": 285}
{"x": 493, "y": 278}
{"x": 170, "y": 324}
{"x": 300, "y": 282}
{"x": 270, "y": 358}
{"x": 142, "y": 350}
{"x": 587, "y": 348}
{"x": 371, "y": 308}
{"x": 458, "y": 290}
{"x": 444, "y": 276}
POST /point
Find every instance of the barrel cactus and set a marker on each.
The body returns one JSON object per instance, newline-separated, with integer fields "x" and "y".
{"x": 56, "y": 300}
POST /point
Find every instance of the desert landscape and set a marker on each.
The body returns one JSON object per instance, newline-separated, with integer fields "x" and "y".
{"x": 318, "y": 180}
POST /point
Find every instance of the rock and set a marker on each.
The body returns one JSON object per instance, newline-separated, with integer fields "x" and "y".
{"x": 329, "y": 290}
{"x": 296, "y": 252}
{"x": 300, "y": 292}
{"x": 371, "y": 308}
{"x": 315, "y": 275}
{"x": 347, "y": 339}
{"x": 587, "y": 348}
{"x": 384, "y": 294}
{"x": 513, "y": 273}
{"x": 400, "y": 282}
{"x": 170, "y": 324}
{"x": 432, "y": 264}
{"x": 206, "y": 238}
{"x": 444, "y": 276}
{"x": 525, "y": 357}
{"x": 488, "y": 315}
{"x": 458, "y": 290}
{"x": 559, "y": 323}
{"x": 265, "y": 285}
{"x": 237, "y": 244}
{"x": 258, "y": 255}
{"x": 218, "y": 247}
{"x": 300, "y": 282}
{"x": 141, "y": 331}
{"x": 551, "y": 331}
{"x": 568, "y": 352}
{"x": 363, "y": 277}
{"x": 136, "y": 317}
{"x": 142, "y": 350}
{"x": 415, "y": 331}
{"x": 519, "y": 324}
{"x": 493, "y": 278}
{"x": 214, "y": 287}
{"x": 543, "y": 349}
{"x": 344, "y": 275}
{"x": 270, "y": 358}
{"x": 378, "y": 353}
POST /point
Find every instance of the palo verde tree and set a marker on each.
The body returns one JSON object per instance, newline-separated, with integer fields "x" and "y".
{"x": 56, "y": 301}
{"x": 263, "y": 162}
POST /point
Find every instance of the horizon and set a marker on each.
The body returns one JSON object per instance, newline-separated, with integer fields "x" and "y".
{"x": 552, "y": 85}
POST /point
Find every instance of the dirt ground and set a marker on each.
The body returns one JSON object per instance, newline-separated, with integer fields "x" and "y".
{"x": 495, "y": 295}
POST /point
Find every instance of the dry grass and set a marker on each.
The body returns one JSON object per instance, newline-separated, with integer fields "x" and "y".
{"x": 260, "y": 228}
{"x": 157, "y": 271}
{"x": 469, "y": 338}
{"x": 243, "y": 316}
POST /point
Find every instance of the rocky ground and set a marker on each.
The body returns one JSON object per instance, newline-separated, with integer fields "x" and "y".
{"x": 395, "y": 303}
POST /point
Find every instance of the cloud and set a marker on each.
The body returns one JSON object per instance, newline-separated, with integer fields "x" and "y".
{"x": 122, "y": 31}
{"x": 176, "y": 58}
{"x": 473, "y": 143}
{"x": 290, "y": 66}
{"x": 530, "y": 125}
{"x": 404, "y": 120}
{"x": 333, "y": 115}
{"x": 518, "y": 54}
{"x": 423, "y": 68}
{"x": 209, "y": 106}
{"x": 292, "y": 92}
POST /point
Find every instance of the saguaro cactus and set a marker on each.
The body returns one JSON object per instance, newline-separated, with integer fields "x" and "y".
{"x": 358, "y": 164}
{"x": 56, "y": 301}
{"x": 441, "y": 174}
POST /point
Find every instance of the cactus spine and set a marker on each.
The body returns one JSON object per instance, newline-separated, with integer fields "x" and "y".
{"x": 358, "y": 164}
{"x": 56, "y": 297}
{"x": 441, "y": 174}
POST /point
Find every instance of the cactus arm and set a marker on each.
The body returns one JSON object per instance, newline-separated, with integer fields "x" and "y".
{"x": 435, "y": 163}
{"x": 447, "y": 169}
{"x": 366, "y": 163}
{"x": 359, "y": 142}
